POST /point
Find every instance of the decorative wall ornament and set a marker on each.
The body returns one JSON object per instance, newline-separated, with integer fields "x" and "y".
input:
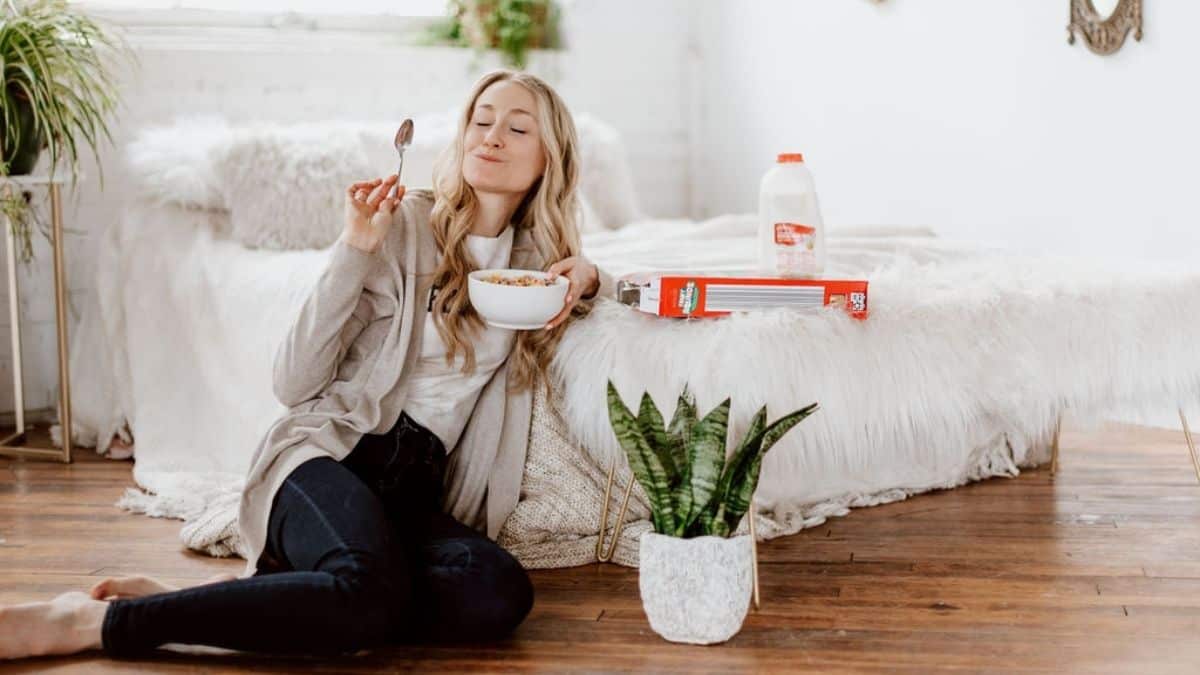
{"x": 1105, "y": 34}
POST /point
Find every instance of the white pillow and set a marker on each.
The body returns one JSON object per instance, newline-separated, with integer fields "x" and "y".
{"x": 283, "y": 184}
{"x": 431, "y": 134}
{"x": 171, "y": 165}
{"x": 604, "y": 175}
{"x": 587, "y": 219}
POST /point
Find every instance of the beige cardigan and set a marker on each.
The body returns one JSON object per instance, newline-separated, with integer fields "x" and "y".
{"x": 342, "y": 370}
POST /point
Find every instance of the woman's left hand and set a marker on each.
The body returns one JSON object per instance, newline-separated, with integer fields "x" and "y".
{"x": 584, "y": 277}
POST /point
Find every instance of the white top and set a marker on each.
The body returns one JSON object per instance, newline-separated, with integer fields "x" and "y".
{"x": 441, "y": 397}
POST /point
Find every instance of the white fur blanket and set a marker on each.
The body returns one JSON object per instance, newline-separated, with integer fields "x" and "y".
{"x": 959, "y": 374}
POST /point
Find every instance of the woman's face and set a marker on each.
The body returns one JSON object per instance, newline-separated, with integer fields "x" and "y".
{"x": 502, "y": 145}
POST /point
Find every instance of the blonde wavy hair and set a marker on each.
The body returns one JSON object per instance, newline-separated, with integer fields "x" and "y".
{"x": 549, "y": 211}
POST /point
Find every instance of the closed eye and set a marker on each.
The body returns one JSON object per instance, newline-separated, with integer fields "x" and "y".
{"x": 488, "y": 124}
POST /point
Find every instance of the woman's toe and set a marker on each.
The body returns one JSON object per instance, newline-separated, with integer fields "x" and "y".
{"x": 219, "y": 578}
{"x": 129, "y": 587}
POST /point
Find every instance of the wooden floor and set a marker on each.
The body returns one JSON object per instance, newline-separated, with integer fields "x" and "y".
{"x": 1096, "y": 570}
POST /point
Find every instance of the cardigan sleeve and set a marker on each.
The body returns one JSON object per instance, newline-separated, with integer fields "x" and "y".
{"x": 607, "y": 289}
{"x": 306, "y": 360}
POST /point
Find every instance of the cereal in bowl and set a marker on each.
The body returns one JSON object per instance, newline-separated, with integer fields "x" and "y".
{"x": 523, "y": 280}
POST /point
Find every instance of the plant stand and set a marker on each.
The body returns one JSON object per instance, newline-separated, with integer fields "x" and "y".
{"x": 15, "y": 444}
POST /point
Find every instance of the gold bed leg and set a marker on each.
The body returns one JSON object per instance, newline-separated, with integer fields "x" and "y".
{"x": 754, "y": 553}
{"x": 1191, "y": 443}
{"x": 601, "y": 554}
{"x": 1054, "y": 446}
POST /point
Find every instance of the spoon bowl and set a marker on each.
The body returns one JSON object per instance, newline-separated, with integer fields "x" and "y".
{"x": 402, "y": 140}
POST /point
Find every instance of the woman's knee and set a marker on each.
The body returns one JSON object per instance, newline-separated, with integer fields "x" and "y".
{"x": 372, "y": 596}
{"x": 512, "y": 593}
{"x": 493, "y": 593}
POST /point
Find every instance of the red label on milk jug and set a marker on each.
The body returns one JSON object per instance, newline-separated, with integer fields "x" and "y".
{"x": 794, "y": 234}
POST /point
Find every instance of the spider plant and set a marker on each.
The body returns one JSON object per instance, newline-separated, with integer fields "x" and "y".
{"x": 693, "y": 489}
{"x": 57, "y": 94}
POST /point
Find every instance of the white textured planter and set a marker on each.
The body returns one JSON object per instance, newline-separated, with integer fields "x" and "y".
{"x": 695, "y": 590}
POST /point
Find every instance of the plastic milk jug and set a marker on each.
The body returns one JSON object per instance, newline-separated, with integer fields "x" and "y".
{"x": 791, "y": 234}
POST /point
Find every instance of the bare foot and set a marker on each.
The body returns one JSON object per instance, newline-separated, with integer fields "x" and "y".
{"x": 116, "y": 588}
{"x": 67, "y": 624}
{"x": 119, "y": 449}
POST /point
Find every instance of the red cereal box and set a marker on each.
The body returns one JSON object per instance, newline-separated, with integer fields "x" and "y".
{"x": 702, "y": 295}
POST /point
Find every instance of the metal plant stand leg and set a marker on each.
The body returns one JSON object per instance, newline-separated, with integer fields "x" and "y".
{"x": 12, "y": 445}
{"x": 1191, "y": 443}
{"x": 603, "y": 555}
{"x": 753, "y": 552}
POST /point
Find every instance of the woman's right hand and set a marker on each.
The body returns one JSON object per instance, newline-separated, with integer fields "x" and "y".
{"x": 369, "y": 212}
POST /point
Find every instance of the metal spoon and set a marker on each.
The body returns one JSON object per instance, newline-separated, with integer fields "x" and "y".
{"x": 403, "y": 138}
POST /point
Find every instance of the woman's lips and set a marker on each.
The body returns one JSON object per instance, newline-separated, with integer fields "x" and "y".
{"x": 487, "y": 158}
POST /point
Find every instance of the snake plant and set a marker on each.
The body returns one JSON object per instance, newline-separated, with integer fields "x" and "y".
{"x": 693, "y": 489}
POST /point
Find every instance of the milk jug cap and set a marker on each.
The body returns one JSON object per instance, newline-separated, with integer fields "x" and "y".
{"x": 786, "y": 157}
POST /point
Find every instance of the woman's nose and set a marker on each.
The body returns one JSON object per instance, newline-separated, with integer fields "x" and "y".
{"x": 493, "y": 136}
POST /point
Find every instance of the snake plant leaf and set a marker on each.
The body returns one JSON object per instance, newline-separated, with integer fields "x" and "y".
{"x": 743, "y": 478}
{"x": 703, "y": 523}
{"x": 706, "y": 456}
{"x": 711, "y": 521}
{"x": 719, "y": 528}
{"x": 781, "y": 426}
{"x": 683, "y": 422}
{"x": 684, "y": 418}
{"x": 737, "y": 465}
{"x": 715, "y": 509}
{"x": 649, "y": 471}
{"x": 749, "y": 447}
{"x": 650, "y": 423}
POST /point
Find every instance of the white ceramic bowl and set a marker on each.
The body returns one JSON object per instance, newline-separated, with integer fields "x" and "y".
{"x": 516, "y": 307}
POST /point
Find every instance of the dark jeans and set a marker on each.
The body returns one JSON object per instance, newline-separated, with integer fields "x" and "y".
{"x": 365, "y": 557}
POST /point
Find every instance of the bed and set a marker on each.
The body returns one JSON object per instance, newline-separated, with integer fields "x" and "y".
{"x": 968, "y": 359}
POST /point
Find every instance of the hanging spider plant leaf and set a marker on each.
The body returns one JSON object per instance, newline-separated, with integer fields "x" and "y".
{"x": 645, "y": 463}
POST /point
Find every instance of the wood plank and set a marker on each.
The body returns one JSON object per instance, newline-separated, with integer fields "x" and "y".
{"x": 1096, "y": 569}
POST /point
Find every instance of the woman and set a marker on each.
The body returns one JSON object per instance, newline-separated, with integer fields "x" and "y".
{"x": 406, "y": 425}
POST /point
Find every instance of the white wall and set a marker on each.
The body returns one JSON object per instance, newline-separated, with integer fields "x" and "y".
{"x": 975, "y": 118}
{"x": 628, "y": 73}
{"x": 981, "y": 122}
